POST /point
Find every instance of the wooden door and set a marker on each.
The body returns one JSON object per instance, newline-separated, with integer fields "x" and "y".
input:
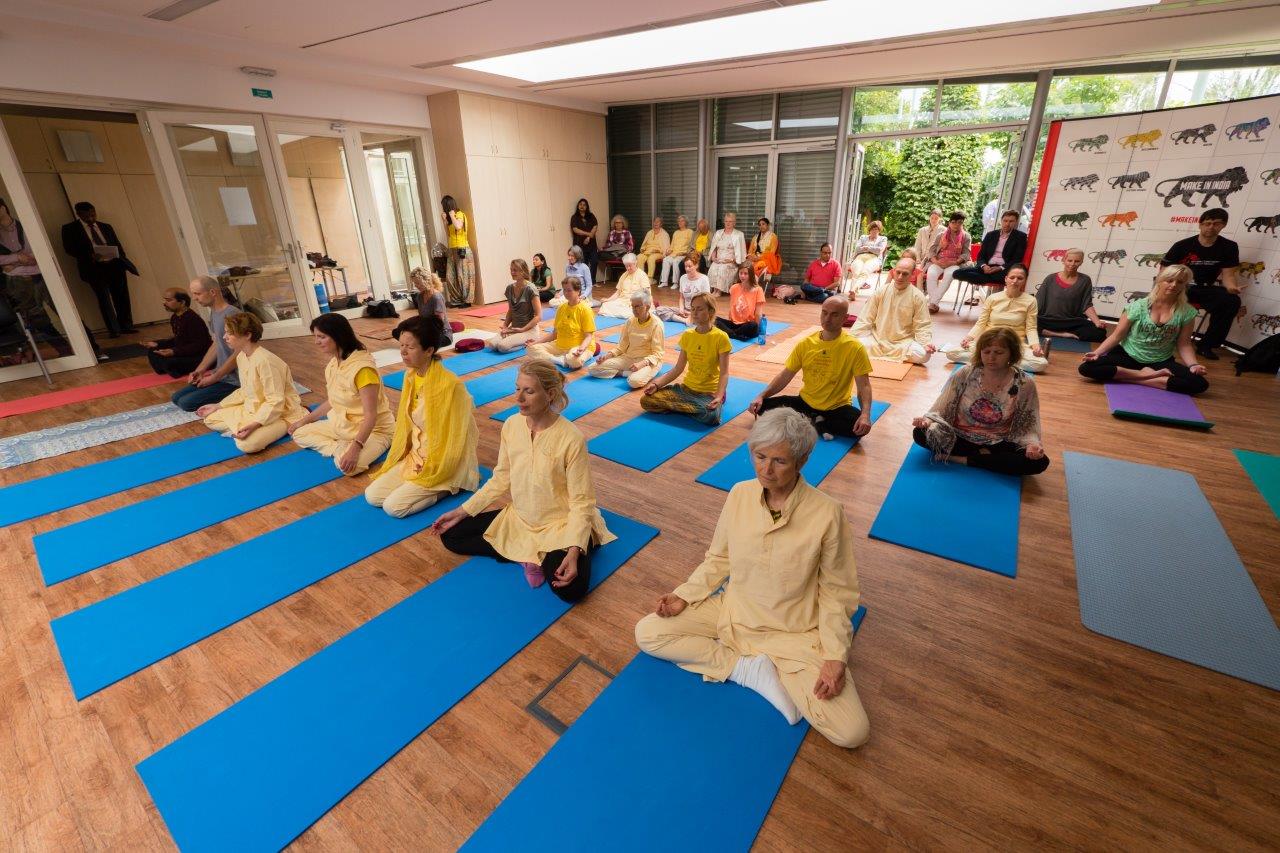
{"x": 593, "y": 138}
{"x": 535, "y": 123}
{"x": 539, "y": 210}
{"x": 28, "y": 143}
{"x": 477, "y": 125}
{"x": 505, "y": 122}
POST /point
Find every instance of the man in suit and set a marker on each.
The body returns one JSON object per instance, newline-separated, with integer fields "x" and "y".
{"x": 1000, "y": 248}
{"x": 90, "y": 242}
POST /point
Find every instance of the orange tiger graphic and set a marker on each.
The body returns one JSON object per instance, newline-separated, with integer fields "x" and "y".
{"x": 1146, "y": 140}
{"x": 1114, "y": 219}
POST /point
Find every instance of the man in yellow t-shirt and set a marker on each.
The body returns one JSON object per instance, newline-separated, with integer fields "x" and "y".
{"x": 571, "y": 342}
{"x": 831, "y": 363}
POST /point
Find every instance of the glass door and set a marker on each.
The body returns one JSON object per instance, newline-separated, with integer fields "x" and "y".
{"x": 802, "y": 208}
{"x": 742, "y": 187}
{"x": 392, "y": 164}
{"x": 853, "y": 221}
{"x": 231, "y": 214}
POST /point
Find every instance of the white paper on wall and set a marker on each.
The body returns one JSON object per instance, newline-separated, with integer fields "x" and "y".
{"x": 1125, "y": 188}
{"x": 237, "y": 205}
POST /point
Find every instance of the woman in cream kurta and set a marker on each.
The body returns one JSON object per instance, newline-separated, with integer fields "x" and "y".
{"x": 260, "y": 410}
{"x": 631, "y": 282}
{"x": 1012, "y": 307}
{"x": 654, "y": 247}
{"x": 774, "y": 593}
{"x": 640, "y": 347}
{"x": 895, "y": 322}
{"x": 673, "y": 261}
{"x": 354, "y": 425}
{"x": 552, "y": 523}
{"x": 728, "y": 249}
{"x": 433, "y": 451}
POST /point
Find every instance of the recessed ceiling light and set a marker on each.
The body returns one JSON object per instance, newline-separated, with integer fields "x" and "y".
{"x": 804, "y": 27}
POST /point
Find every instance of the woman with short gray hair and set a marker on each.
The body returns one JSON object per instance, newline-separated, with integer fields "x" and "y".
{"x": 640, "y": 346}
{"x": 576, "y": 266}
{"x": 631, "y": 282}
{"x": 770, "y": 604}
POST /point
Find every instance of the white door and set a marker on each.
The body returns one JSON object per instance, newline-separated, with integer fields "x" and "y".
{"x": 233, "y": 224}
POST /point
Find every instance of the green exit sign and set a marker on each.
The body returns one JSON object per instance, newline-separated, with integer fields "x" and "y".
{"x": 261, "y": 93}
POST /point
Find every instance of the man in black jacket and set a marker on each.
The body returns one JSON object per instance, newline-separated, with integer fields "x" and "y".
{"x": 102, "y": 264}
{"x": 1000, "y": 248}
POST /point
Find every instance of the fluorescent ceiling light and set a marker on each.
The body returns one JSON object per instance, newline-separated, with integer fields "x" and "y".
{"x": 804, "y": 27}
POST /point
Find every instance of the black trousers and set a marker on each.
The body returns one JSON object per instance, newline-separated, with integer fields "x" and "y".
{"x": 591, "y": 257}
{"x": 1183, "y": 381}
{"x": 1080, "y": 327}
{"x": 1222, "y": 306}
{"x": 111, "y": 287}
{"x": 1003, "y": 458}
{"x": 975, "y": 275}
{"x": 176, "y": 366}
{"x": 838, "y": 421}
{"x": 748, "y": 331}
{"x": 467, "y": 537}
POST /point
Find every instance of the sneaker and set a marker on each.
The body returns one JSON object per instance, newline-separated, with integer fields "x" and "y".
{"x": 533, "y": 575}
{"x": 790, "y": 300}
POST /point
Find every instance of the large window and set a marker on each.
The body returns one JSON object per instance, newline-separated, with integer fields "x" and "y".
{"x": 742, "y": 188}
{"x": 968, "y": 102}
{"x": 630, "y": 192}
{"x": 1205, "y": 81}
{"x": 802, "y": 208}
{"x": 1089, "y": 92}
{"x": 653, "y": 163}
{"x": 802, "y": 115}
{"x": 883, "y": 108}
{"x": 747, "y": 119}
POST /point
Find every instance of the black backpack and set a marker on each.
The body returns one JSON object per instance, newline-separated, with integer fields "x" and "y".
{"x": 381, "y": 308}
{"x": 1264, "y": 357}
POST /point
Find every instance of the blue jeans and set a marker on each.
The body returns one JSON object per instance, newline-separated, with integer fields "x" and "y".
{"x": 813, "y": 293}
{"x": 189, "y": 397}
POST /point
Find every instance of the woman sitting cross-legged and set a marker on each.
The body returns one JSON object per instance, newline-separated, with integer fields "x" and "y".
{"x": 1141, "y": 348}
{"x": 433, "y": 451}
{"x": 572, "y": 340}
{"x": 524, "y": 311}
{"x": 260, "y": 410}
{"x": 632, "y": 281}
{"x": 746, "y": 302}
{"x": 543, "y": 281}
{"x": 705, "y": 350}
{"x": 1065, "y": 302}
{"x": 1012, "y": 308}
{"x": 552, "y": 524}
{"x": 693, "y": 282}
{"x": 354, "y": 425}
{"x": 429, "y": 296}
{"x": 769, "y": 606}
{"x": 988, "y": 414}
{"x": 640, "y": 347}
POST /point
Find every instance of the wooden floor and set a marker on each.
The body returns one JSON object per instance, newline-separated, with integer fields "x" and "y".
{"x": 997, "y": 720}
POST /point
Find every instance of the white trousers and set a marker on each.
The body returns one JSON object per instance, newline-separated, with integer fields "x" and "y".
{"x": 938, "y": 281}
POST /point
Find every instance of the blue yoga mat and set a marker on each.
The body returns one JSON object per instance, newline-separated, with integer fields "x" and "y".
{"x": 461, "y": 364}
{"x": 1155, "y": 568}
{"x": 1264, "y": 470}
{"x": 736, "y": 467}
{"x": 44, "y": 495}
{"x": 670, "y": 328}
{"x": 258, "y": 774}
{"x": 602, "y": 323}
{"x": 483, "y": 389}
{"x": 114, "y": 638}
{"x": 1069, "y": 345}
{"x": 712, "y": 792}
{"x": 648, "y": 439}
{"x": 980, "y": 527}
{"x": 586, "y": 395}
{"x": 86, "y": 545}
{"x": 774, "y": 328}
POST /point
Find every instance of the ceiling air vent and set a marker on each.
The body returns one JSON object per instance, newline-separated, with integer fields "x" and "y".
{"x": 174, "y": 11}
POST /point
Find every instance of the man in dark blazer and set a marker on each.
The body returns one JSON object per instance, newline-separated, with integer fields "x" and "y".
{"x": 1002, "y": 247}
{"x": 90, "y": 242}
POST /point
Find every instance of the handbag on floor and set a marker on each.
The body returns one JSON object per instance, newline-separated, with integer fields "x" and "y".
{"x": 1264, "y": 357}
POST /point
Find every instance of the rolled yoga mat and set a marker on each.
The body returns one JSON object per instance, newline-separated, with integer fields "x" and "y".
{"x": 737, "y": 466}
{"x": 1155, "y": 568}
{"x": 66, "y": 552}
{"x": 262, "y": 771}
{"x": 83, "y": 393}
{"x": 118, "y": 636}
{"x": 980, "y": 526}
{"x": 483, "y": 389}
{"x": 586, "y": 395}
{"x": 648, "y": 439}
{"x": 711, "y": 792}
{"x": 68, "y": 438}
{"x": 1140, "y": 403}
{"x": 43, "y": 495}
{"x": 1264, "y": 470}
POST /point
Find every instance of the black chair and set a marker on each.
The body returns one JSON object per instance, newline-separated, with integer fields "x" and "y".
{"x": 14, "y": 332}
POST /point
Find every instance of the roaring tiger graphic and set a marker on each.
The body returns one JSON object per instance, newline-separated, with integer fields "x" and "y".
{"x": 1147, "y": 260}
{"x": 1220, "y": 185}
{"x": 1128, "y": 182}
{"x": 1092, "y": 143}
{"x": 1077, "y": 219}
{"x": 1113, "y": 219}
{"x": 1252, "y": 269}
{"x": 1130, "y": 295}
{"x": 1081, "y": 182}
{"x": 1246, "y": 129}
{"x": 1268, "y": 324}
{"x": 1055, "y": 254}
{"x": 1147, "y": 141}
{"x": 1114, "y": 256}
{"x": 1271, "y": 176}
{"x": 1106, "y": 291}
{"x": 1194, "y": 134}
{"x": 1262, "y": 224}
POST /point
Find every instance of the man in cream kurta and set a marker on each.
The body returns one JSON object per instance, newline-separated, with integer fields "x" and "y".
{"x": 790, "y": 588}
{"x": 894, "y": 323}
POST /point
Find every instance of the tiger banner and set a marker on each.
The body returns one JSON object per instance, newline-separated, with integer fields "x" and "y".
{"x": 1124, "y": 188}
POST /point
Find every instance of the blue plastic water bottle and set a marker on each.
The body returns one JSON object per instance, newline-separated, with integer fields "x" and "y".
{"x": 764, "y": 325}
{"x": 322, "y": 298}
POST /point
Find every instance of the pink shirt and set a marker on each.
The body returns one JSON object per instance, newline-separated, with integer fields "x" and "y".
{"x": 997, "y": 257}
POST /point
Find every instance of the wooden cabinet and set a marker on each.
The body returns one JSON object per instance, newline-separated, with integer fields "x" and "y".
{"x": 130, "y": 152}
{"x": 593, "y": 138}
{"x": 536, "y": 128}
{"x": 477, "y": 125}
{"x": 28, "y": 144}
{"x": 539, "y": 211}
{"x": 505, "y": 123}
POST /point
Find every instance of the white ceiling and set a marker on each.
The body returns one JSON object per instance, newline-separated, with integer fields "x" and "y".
{"x": 410, "y": 44}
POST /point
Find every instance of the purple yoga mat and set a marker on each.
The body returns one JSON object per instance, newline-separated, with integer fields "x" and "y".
{"x": 1139, "y": 401}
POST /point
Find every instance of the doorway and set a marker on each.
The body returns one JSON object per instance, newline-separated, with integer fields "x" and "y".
{"x": 392, "y": 162}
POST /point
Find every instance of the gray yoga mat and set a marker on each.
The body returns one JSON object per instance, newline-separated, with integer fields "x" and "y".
{"x": 1155, "y": 568}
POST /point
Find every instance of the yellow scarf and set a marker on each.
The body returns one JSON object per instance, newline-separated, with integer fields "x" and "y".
{"x": 449, "y": 425}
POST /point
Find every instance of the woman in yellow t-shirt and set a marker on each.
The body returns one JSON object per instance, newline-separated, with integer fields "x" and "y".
{"x": 572, "y": 340}
{"x": 704, "y": 349}
{"x": 433, "y": 451}
{"x": 359, "y": 425}
{"x": 702, "y": 243}
{"x": 460, "y": 271}
{"x": 552, "y": 524}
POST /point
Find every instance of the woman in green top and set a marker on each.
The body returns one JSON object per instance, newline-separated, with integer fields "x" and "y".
{"x": 1141, "y": 348}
